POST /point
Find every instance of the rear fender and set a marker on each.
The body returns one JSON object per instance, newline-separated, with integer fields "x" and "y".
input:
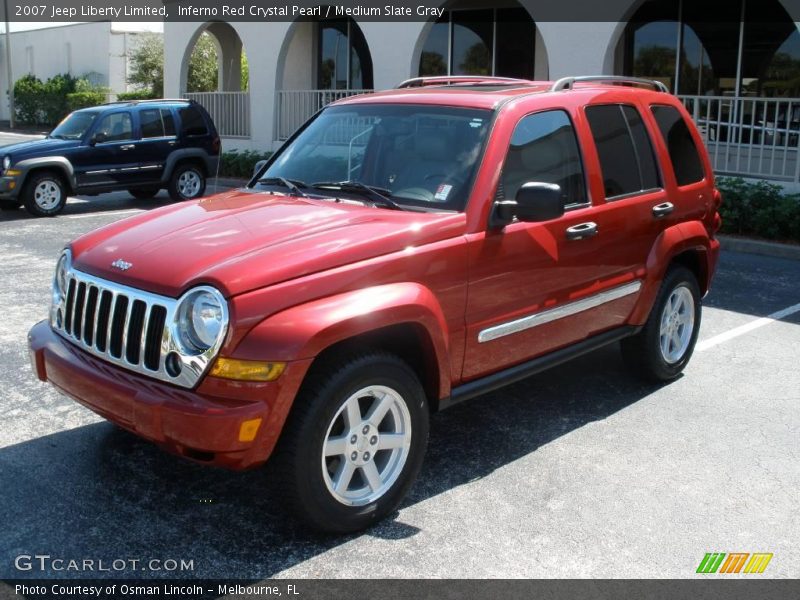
{"x": 304, "y": 331}
{"x": 691, "y": 236}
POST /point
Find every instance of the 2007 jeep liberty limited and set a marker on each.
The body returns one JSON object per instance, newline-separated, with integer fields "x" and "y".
{"x": 401, "y": 252}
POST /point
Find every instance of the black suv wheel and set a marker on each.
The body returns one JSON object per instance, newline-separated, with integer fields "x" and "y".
{"x": 187, "y": 182}
{"x": 143, "y": 193}
{"x": 44, "y": 194}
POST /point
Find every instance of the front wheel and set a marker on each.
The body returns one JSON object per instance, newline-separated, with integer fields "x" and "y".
{"x": 354, "y": 443}
{"x": 44, "y": 194}
{"x": 187, "y": 183}
{"x": 662, "y": 349}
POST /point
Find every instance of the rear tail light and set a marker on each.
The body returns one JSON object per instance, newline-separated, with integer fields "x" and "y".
{"x": 215, "y": 145}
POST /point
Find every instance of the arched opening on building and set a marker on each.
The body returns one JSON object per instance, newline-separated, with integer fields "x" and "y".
{"x": 737, "y": 48}
{"x": 215, "y": 74}
{"x": 736, "y": 66}
{"x": 496, "y": 39}
{"x": 321, "y": 61}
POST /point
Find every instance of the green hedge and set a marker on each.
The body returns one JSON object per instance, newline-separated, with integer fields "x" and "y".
{"x": 142, "y": 95}
{"x": 77, "y": 100}
{"x": 38, "y": 102}
{"x": 759, "y": 209}
{"x": 240, "y": 164}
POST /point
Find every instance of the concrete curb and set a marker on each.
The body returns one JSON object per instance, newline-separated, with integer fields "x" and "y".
{"x": 762, "y": 248}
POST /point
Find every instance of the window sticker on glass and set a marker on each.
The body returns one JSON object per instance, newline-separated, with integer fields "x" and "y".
{"x": 442, "y": 192}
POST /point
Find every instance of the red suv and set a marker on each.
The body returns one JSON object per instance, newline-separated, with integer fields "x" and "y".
{"x": 402, "y": 252}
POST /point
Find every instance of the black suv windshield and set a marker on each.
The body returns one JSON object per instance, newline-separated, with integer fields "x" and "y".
{"x": 415, "y": 154}
{"x": 75, "y": 125}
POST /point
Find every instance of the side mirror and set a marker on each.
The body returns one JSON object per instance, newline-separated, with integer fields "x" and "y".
{"x": 259, "y": 165}
{"x": 535, "y": 202}
{"x": 98, "y": 138}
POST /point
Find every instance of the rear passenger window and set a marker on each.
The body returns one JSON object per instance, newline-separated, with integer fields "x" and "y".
{"x": 152, "y": 123}
{"x": 624, "y": 148}
{"x": 682, "y": 150}
{"x": 192, "y": 122}
{"x": 169, "y": 122}
{"x": 544, "y": 149}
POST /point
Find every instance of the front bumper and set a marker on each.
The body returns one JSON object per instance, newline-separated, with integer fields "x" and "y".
{"x": 201, "y": 424}
{"x": 9, "y": 188}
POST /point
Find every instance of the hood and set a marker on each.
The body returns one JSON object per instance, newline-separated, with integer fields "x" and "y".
{"x": 244, "y": 240}
{"x": 24, "y": 150}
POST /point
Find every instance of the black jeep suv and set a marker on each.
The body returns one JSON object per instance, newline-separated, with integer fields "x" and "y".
{"x": 139, "y": 146}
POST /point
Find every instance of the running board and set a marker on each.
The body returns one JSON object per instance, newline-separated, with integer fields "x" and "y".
{"x": 495, "y": 381}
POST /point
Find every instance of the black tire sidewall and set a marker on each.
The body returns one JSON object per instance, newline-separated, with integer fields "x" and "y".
{"x": 143, "y": 193}
{"x": 173, "y": 182}
{"x": 30, "y": 200}
{"x": 319, "y": 507}
{"x": 676, "y": 277}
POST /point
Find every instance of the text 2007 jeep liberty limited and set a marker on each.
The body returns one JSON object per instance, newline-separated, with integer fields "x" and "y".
{"x": 402, "y": 251}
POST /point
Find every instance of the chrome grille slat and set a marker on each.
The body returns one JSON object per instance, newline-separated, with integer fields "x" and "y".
{"x": 127, "y": 327}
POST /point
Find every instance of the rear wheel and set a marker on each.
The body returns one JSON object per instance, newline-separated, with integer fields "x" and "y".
{"x": 661, "y": 350}
{"x": 354, "y": 443}
{"x": 143, "y": 193}
{"x": 187, "y": 182}
{"x": 44, "y": 194}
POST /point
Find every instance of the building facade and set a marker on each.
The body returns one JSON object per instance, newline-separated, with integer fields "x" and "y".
{"x": 737, "y": 68}
{"x": 99, "y": 50}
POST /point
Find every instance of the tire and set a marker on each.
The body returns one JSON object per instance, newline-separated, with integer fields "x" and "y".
{"x": 320, "y": 419}
{"x": 662, "y": 349}
{"x": 143, "y": 193}
{"x": 187, "y": 182}
{"x": 9, "y": 205}
{"x": 44, "y": 194}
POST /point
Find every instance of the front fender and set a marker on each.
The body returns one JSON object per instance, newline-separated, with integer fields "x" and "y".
{"x": 303, "y": 331}
{"x": 682, "y": 237}
{"x": 58, "y": 163}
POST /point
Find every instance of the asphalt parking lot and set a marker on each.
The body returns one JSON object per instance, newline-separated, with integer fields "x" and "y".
{"x": 578, "y": 472}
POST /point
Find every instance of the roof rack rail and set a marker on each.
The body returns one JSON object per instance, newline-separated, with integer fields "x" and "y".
{"x": 567, "y": 83}
{"x": 137, "y": 101}
{"x": 457, "y": 79}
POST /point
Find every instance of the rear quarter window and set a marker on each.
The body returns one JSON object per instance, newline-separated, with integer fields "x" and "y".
{"x": 680, "y": 144}
{"x": 192, "y": 121}
{"x": 624, "y": 148}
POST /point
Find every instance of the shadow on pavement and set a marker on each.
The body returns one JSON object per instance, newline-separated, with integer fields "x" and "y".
{"x": 97, "y": 491}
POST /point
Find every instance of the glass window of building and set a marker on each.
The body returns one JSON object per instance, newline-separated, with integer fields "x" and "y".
{"x": 465, "y": 42}
{"x": 344, "y": 59}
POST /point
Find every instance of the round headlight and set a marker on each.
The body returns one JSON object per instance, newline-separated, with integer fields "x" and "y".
{"x": 201, "y": 320}
{"x": 60, "y": 279}
{"x": 6, "y": 163}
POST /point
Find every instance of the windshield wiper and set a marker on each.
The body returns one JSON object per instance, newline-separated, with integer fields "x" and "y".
{"x": 58, "y": 136}
{"x": 375, "y": 195}
{"x": 292, "y": 186}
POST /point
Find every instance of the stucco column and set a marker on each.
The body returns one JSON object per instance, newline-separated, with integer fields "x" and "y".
{"x": 229, "y": 58}
{"x": 393, "y": 47}
{"x": 579, "y": 48}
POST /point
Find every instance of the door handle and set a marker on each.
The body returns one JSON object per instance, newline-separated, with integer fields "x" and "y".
{"x": 663, "y": 209}
{"x": 582, "y": 231}
{"x": 127, "y": 147}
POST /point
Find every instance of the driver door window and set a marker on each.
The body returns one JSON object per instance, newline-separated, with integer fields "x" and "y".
{"x": 116, "y": 127}
{"x": 544, "y": 149}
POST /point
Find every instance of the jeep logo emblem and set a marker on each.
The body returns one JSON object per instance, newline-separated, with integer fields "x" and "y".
{"x": 121, "y": 265}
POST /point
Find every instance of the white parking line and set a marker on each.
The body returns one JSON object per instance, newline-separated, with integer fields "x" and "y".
{"x": 103, "y": 214}
{"x": 746, "y": 328}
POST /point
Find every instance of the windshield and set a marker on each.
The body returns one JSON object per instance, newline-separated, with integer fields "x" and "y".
{"x": 74, "y": 126}
{"x": 417, "y": 155}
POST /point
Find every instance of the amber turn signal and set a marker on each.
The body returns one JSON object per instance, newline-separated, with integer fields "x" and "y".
{"x": 249, "y": 429}
{"x": 247, "y": 370}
